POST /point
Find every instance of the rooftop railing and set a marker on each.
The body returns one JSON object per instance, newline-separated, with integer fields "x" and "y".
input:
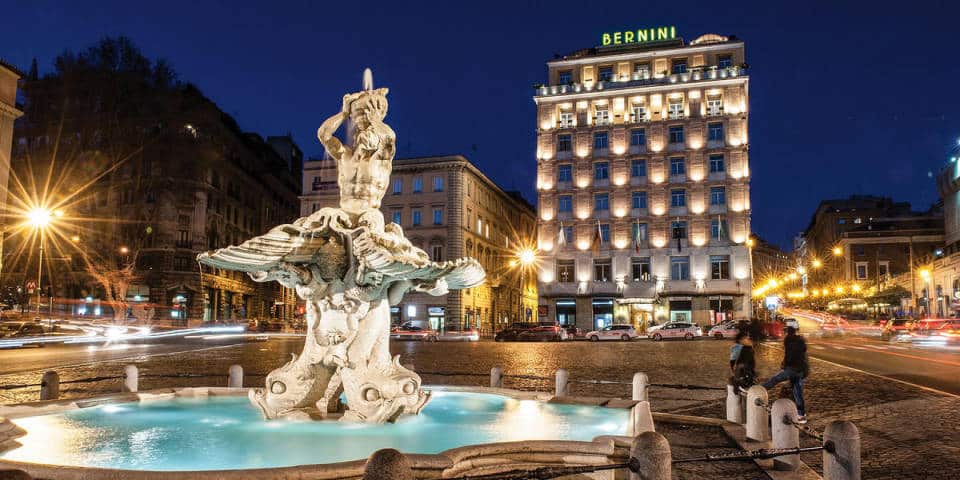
{"x": 640, "y": 79}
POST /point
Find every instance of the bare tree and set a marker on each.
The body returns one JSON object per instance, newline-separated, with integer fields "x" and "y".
{"x": 115, "y": 276}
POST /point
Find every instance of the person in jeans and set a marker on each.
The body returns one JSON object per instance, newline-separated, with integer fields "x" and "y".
{"x": 795, "y": 368}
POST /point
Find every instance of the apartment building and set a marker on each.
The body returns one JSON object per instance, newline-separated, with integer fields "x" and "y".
{"x": 643, "y": 181}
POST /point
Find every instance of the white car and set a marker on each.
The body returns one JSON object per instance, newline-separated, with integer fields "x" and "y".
{"x": 613, "y": 332}
{"x": 686, "y": 331}
{"x": 723, "y": 330}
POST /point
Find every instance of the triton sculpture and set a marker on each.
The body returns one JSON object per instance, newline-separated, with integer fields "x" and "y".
{"x": 349, "y": 267}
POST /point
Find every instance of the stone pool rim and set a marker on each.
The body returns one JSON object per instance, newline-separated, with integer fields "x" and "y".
{"x": 466, "y": 460}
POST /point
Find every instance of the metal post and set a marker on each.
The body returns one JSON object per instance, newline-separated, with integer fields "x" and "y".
{"x": 40, "y": 272}
{"x": 561, "y": 383}
{"x": 388, "y": 464}
{"x": 841, "y": 455}
{"x": 735, "y": 406}
{"x": 640, "y": 385}
{"x": 50, "y": 386}
{"x": 652, "y": 453}
{"x": 496, "y": 377}
{"x": 131, "y": 378}
{"x": 758, "y": 420}
{"x": 785, "y": 435}
{"x": 236, "y": 377}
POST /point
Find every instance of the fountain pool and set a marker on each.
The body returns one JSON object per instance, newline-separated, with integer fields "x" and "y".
{"x": 227, "y": 432}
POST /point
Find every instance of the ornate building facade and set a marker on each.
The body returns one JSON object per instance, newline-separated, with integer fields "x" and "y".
{"x": 644, "y": 181}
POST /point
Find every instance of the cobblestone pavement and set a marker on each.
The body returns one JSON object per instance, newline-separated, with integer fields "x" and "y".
{"x": 907, "y": 432}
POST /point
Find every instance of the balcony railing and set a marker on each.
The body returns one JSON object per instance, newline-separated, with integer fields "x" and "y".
{"x": 639, "y": 80}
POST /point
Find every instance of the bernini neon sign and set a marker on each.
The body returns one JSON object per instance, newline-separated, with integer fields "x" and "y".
{"x": 645, "y": 35}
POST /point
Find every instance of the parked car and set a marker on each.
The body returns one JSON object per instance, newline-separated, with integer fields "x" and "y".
{"x": 613, "y": 332}
{"x": 574, "y": 332}
{"x": 531, "y": 332}
{"x": 418, "y": 333}
{"x": 723, "y": 330}
{"x": 686, "y": 331}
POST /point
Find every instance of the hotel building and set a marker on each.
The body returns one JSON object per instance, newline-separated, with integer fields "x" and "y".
{"x": 643, "y": 181}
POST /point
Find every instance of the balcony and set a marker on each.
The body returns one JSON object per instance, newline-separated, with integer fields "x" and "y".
{"x": 641, "y": 80}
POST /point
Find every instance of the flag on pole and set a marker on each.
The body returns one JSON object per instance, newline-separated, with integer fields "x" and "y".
{"x": 561, "y": 238}
{"x": 636, "y": 236}
{"x": 597, "y": 238}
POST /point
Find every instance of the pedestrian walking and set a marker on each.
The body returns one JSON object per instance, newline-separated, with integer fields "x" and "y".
{"x": 795, "y": 367}
{"x": 742, "y": 362}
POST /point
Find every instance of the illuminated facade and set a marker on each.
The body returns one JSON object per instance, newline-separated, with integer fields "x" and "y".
{"x": 8, "y": 113}
{"x": 643, "y": 181}
{"x": 450, "y": 209}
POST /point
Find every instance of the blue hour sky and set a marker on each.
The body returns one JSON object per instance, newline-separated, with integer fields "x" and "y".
{"x": 846, "y": 97}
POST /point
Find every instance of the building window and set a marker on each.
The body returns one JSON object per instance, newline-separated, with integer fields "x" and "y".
{"x": 718, "y": 229}
{"x": 182, "y": 264}
{"x": 718, "y": 195}
{"x": 639, "y": 233}
{"x": 676, "y": 134}
{"x": 564, "y": 143}
{"x": 601, "y": 202}
{"x": 601, "y": 171}
{"x": 565, "y": 77}
{"x": 417, "y": 184}
{"x": 601, "y": 270}
{"x": 564, "y": 173}
{"x": 437, "y": 184}
{"x": 638, "y": 168}
{"x": 884, "y": 270}
{"x": 604, "y": 233}
{"x": 397, "y": 186}
{"x": 639, "y": 113}
{"x": 565, "y": 203}
{"x": 859, "y": 250}
{"x": 640, "y": 269}
{"x": 675, "y": 109}
{"x": 715, "y": 132}
{"x": 438, "y": 216}
{"x": 862, "y": 270}
{"x": 567, "y": 234}
{"x": 183, "y": 238}
{"x": 642, "y": 69}
{"x": 678, "y": 65}
{"x": 725, "y": 61}
{"x": 678, "y": 198}
{"x": 714, "y": 106}
{"x": 678, "y": 166}
{"x": 601, "y": 141}
{"x": 603, "y": 116}
{"x": 639, "y": 199}
{"x": 605, "y": 74}
{"x": 416, "y": 217}
{"x": 720, "y": 267}
{"x": 679, "y": 229}
{"x": 567, "y": 311}
{"x": 679, "y": 268}
{"x": 436, "y": 253}
{"x": 479, "y": 226}
{"x": 397, "y": 216}
{"x": 716, "y": 164}
{"x": 638, "y": 137}
{"x": 566, "y": 119}
{"x": 566, "y": 271}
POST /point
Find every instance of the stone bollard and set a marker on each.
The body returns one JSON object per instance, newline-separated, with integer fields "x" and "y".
{"x": 758, "y": 420}
{"x": 388, "y": 464}
{"x": 131, "y": 378}
{"x": 496, "y": 377}
{"x": 236, "y": 377}
{"x": 561, "y": 383}
{"x": 735, "y": 406}
{"x": 50, "y": 386}
{"x": 640, "y": 384}
{"x": 641, "y": 420}
{"x": 652, "y": 454}
{"x": 841, "y": 459}
{"x": 785, "y": 435}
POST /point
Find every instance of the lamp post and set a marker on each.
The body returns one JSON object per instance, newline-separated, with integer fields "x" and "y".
{"x": 525, "y": 258}
{"x": 40, "y": 218}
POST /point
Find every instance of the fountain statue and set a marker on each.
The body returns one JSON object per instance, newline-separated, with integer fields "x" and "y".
{"x": 349, "y": 267}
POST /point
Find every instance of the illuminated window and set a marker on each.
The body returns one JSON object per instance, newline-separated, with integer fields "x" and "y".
{"x": 601, "y": 141}
{"x": 639, "y": 199}
{"x": 678, "y": 166}
{"x": 714, "y": 106}
{"x": 718, "y": 195}
{"x": 566, "y": 119}
{"x": 603, "y": 116}
{"x": 601, "y": 202}
{"x": 565, "y": 203}
{"x": 675, "y": 109}
{"x": 565, "y": 77}
{"x": 676, "y": 134}
{"x": 564, "y": 173}
{"x": 605, "y": 74}
{"x": 639, "y": 113}
{"x": 601, "y": 171}
{"x": 679, "y": 268}
{"x": 601, "y": 270}
{"x": 715, "y": 132}
{"x": 638, "y": 168}
{"x": 638, "y": 137}
{"x": 640, "y": 268}
{"x": 566, "y": 270}
{"x": 642, "y": 69}
{"x": 716, "y": 164}
{"x": 718, "y": 229}
{"x": 720, "y": 267}
{"x": 564, "y": 143}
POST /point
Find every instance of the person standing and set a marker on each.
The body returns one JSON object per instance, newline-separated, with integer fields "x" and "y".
{"x": 795, "y": 367}
{"x": 742, "y": 362}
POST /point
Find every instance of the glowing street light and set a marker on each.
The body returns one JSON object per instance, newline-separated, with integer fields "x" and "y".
{"x": 527, "y": 257}
{"x": 837, "y": 251}
{"x": 40, "y": 218}
{"x": 816, "y": 263}
{"x": 925, "y": 274}
{"x": 124, "y": 250}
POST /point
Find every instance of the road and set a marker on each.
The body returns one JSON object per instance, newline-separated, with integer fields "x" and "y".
{"x": 936, "y": 367}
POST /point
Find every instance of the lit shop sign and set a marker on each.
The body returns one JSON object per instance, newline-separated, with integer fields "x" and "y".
{"x": 645, "y": 35}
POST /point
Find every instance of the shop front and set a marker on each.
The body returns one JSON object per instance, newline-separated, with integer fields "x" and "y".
{"x": 637, "y": 312}
{"x": 681, "y": 309}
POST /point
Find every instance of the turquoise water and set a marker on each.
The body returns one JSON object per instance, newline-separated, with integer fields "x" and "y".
{"x": 228, "y": 433}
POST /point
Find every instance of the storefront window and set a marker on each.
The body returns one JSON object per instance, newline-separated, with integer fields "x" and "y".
{"x": 602, "y": 312}
{"x": 567, "y": 311}
{"x": 681, "y": 311}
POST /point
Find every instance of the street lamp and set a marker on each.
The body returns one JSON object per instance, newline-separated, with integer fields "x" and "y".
{"x": 816, "y": 263}
{"x": 526, "y": 257}
{"x": 837, "y": 251}
{"x": 40, "y": 218}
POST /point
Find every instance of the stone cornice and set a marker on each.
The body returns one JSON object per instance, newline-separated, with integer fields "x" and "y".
{"x": 10, "y": 111}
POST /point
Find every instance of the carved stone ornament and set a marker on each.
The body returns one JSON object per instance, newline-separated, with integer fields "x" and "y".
{"x": 349, "y": 267}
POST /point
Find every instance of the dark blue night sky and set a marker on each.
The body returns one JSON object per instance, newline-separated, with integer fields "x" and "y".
{"x": 846, "y": 97}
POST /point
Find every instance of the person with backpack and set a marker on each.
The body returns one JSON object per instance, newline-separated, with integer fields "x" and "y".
{"x": 742, "y": 362}
{"x": 795, "y": 367}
